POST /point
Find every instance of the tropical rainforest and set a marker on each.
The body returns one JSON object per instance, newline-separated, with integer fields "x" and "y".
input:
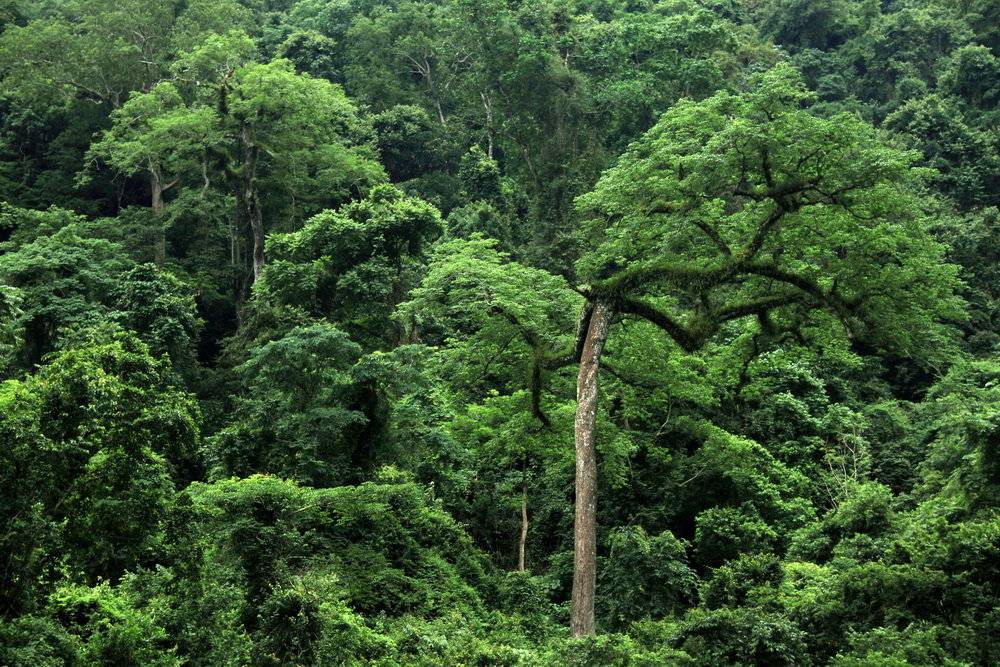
{"x": 500, "y": 332}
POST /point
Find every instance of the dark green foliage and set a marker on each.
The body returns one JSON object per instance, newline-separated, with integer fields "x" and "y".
{"x": 158, "y": 306}
{"x": 644, "y": 576}
{"x": 351, "y": 266}
{"x": 481, "y": 218}
{"x": 967, "y": 160}
{"x": 480, "y": 176}
{"x": 65, "y": 282}
{"x": 294, "y": 296}
{"x": 390, "y": 550}
{"x": 723, "y": 533}
{"x": 291, "y": 418}
{"x": 312, "y": 53}
{"x": 11, "y": 331}
{"x": 36, "y": 641}
{"x": 810, "y": 24}
{"x": 740, "y": 636}
{"x": 741, "y": 581}
{"x": 409, "y": 142}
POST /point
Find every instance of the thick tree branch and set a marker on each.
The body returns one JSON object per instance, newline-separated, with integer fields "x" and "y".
{"x": 688, "y": 340}
{"x": 760, "y": 306}
{"x": 628, "y": 280}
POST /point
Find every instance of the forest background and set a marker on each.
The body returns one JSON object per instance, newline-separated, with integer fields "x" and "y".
{"x": 600, "y": 332}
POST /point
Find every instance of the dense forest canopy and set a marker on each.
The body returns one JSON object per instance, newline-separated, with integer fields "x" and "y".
{"x": 444, "y": 332}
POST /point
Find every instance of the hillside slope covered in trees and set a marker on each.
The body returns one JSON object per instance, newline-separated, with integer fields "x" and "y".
{"x": 452, "y": 332}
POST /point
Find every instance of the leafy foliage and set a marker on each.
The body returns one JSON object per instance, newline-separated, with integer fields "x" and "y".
{"x": 294, "y": 296}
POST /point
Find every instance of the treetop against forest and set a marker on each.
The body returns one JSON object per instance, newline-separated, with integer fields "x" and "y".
{"x": 496, "y": 332}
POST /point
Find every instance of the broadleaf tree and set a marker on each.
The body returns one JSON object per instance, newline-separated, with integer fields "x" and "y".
{"x": 746, "y": 205}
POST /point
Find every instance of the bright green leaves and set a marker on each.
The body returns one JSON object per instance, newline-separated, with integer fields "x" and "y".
{"x": 744, "y": 204}
{"x": 306, "y": 128}
{"x": 158, "y": 134}
{"x": 504, "y": 331}
{"x": 107, "y": 388}
{"x": 698, "y": 182}
{"x": 502, "y": 324}
{"x": 116, "y": 629}
{"x": 284, "y": 145}
{"x": 155, "y": 125}
{"x": 764, "y": 455}
{"x": 66, "y": 281}
{"x": 101, "y": 53}
{"x": 472, "y": 288}
{"x": 95, "y": 441}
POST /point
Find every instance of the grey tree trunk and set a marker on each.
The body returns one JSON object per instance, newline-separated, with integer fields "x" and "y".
{"x": 257, "y": 230}
{"x": 250, "y": 201}
{"x": 524, "y": 529}
{"x": 156, "y": 203}
{"x": 585, "y": 435}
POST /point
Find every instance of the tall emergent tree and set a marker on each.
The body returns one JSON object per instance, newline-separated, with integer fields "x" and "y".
{"x": 284, "y": 145}
{"x": 749, "y": 206}
{"x": 288, "y": 144}
{"x": 157, "y": 134}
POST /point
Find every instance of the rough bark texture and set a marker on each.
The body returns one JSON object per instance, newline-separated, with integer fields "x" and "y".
{"x": 156, "y": 201}
{"x": 524, "y": 530}
{"x": 257, "y": 229}
{"x": 585, "y": 432}
{"x": 250, "y": 202}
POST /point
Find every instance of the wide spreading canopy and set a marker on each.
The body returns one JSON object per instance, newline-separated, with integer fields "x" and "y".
{"x": 749, "y": 204}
